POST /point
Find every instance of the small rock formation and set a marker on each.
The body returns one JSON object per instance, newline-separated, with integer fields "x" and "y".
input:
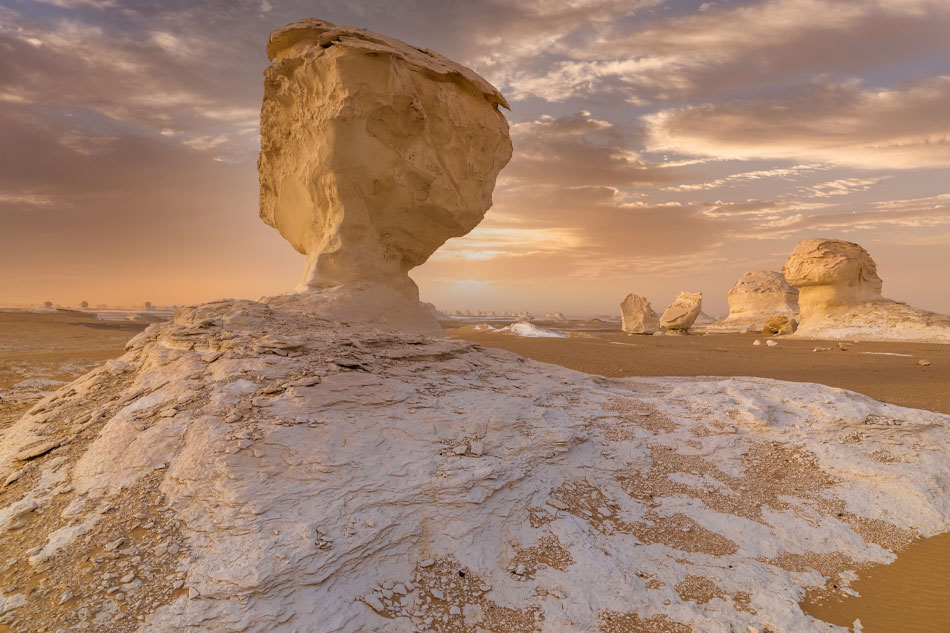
{"x": 682, "y": 313}
{"x": 779, "y": 325}
{"x": 373, "y": 154}
{"x": 755, "y": 298}
{"x": 637, "y": 317}
{"x": 840, "y": 297}
{"x": 555, "y": 316}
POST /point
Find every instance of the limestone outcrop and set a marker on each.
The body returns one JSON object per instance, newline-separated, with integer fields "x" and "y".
{"x": 373, "y": 152}
{"x": 831, "y": 276}
{"x": 840, "y": 297}
{"x": 682, "y": 313}
{"x": 755, "y": 298}
{"x": 637, "y": 316}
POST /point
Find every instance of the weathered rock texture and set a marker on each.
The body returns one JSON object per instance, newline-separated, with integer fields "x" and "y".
{"x": 250, "y": 468}
{"x": 637, "y": 316}
{"x": 840, "y": 297}
{"x": 682, "y": 313}
{"x": 755, "y": 298}
{"x": 831, "y": 276}
{"x": 373, "y": 152}
{"x": 779, "y": 325}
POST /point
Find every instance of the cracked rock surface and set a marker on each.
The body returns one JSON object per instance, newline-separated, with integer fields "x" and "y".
{"x": 254, "y": 467}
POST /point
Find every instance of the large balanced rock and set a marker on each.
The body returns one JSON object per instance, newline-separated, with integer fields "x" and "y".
{"x": 637, "y": 317}
{"x": 373, "y": 152}
{"x": 840, "y": 297}
{"x": 755, "y": 298}
{"x": 682, "y": 313}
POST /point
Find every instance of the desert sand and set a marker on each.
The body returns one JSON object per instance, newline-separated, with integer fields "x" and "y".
{"x": 886, "y": 371}
{"x": 40, "y": 351}
{"x": 328, "y": 460}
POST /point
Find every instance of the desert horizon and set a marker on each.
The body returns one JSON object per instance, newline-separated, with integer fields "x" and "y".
{"x": 475, "y": 317}
{"x": 135, "y": 132}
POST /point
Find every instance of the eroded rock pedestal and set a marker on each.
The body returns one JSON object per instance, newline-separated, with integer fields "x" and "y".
{"x": 755, "y": 298}
{"x": 373, "y": 154}
{"x": 840, "y": 297}
{"x": 831, "y": 276}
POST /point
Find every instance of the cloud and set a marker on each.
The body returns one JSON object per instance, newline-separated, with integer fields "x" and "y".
{"x": 840, "y": 187}
{"x": 146, "y": 78}
{"x": 766, "y": 212}
{"x": 912, "y": 213}
{"x": 29, "y": 199}
{"x": 784, "y": 173}
{"x": 579, "y": 149}
{"x": 829, "y": 122}
{"x": 725, "y": 47}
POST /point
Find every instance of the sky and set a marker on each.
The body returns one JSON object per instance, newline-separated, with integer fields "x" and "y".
{"x": 659, "y": 146}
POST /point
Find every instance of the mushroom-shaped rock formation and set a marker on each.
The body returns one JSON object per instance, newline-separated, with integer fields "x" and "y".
{"x": 840, "y": 297}
{"x": 682, "y": 313}
{"x": 755, "y": 298}
{"x": 637, "y": 317}
{"x": 373, "y": 154}
{"x": 831, "y": 276}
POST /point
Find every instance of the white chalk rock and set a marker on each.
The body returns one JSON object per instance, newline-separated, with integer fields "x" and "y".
{"x": 373, "y": 154}
{"x": 637, "y": 316}
{"x": 755, "y": 298}
{"x": 840, "y": 297}
{"x": 682, "y": 313}
{"x": 831, "y": 276}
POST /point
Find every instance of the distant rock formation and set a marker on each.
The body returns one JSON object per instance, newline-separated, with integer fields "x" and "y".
{"x": 555, "y": 316}
{"x": 755, "y": 298}
{"x": 831, "y": 276}
{"x": 373, "y": 154}
{"x": 840, "y": 297}
{"x": 682, "y": 313}
{"x": 637, "y": 316}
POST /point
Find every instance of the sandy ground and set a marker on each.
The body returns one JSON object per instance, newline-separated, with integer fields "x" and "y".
{"x": 866, "y": 367}
{"x": 38, "y": 350}
{"x": 911, "y": 595}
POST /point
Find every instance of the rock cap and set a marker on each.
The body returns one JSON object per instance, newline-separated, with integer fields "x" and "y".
{"x": 286, "y": 42}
